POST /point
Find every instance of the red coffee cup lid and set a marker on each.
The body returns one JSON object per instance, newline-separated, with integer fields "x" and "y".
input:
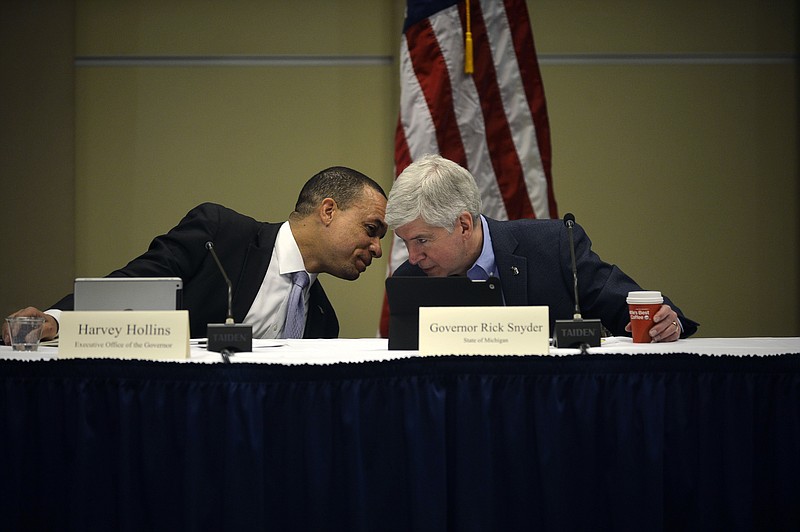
{"x": 644, "y": 297}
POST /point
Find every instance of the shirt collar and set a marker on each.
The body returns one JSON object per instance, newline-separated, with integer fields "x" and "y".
{"x": 288, "y": 254}
{"x": 485, "y": 266}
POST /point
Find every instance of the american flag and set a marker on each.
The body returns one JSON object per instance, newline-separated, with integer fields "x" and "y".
{"x": 492, "y": 120}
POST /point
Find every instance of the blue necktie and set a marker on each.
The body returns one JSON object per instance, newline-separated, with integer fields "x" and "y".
{"x": 477, "y": 273}
{"x": 295, "y": 311}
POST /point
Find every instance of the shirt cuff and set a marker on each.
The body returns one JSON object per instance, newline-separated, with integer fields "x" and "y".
{"x": 56, "y": 313}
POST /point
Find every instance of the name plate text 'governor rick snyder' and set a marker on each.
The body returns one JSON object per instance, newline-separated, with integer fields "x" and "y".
{"x": 154, "y": 335}
{"x": 484, "y": 330}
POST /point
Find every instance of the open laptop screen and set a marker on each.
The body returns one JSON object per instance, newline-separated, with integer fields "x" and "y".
{"x": 407, "y": 294}
{"x": 128, "y": 293}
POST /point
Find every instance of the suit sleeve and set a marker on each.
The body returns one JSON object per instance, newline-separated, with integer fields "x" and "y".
{"x": 181, "y": 251}
{"x": 604, "y": 287}
{"x": 178, "y": 253}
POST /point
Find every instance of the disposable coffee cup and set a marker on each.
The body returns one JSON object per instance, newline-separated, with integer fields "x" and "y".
{"x": 25, "y": 332}
{"x": 642, "y": 306}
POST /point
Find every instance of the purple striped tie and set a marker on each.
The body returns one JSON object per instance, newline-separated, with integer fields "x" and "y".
{"x": 295, "y": 313}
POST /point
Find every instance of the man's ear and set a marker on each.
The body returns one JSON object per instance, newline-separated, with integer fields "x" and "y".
{"x": 327, "y": 209}
{"x": 464, "y": 223}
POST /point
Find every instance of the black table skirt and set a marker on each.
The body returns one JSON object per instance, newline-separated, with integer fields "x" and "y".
{"x": 596, "y": 442}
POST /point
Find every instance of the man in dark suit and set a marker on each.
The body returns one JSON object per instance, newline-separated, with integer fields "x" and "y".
{"x": 335, "y": 228}
{"x": 434, "y": 207}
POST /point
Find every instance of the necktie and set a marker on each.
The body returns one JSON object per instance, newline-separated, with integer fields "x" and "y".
{"x": 295, "y": 315}
{"x": 477, "y": 273}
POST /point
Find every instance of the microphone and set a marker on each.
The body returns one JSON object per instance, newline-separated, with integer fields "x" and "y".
{"x": 569, "y": 221}
{"x": 229, "y": 337}
{"x": 210, "y": 247}
{"x": 577, "y": 332}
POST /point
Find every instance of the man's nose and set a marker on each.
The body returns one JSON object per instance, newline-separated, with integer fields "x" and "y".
{"x": 414, "y": 256}
{"x": 375, "y": 248}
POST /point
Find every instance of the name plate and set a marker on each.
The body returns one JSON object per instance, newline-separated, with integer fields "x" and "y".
{"x": 484, "y": 330}
{"x": 154, "y": 335}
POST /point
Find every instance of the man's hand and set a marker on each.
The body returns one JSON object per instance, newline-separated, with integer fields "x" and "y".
{"x": 667, "y": 326}
{"x": 49, "y": 330}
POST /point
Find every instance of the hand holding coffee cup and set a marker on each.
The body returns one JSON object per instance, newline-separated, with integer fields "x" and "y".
{"x": 651, "y": 320}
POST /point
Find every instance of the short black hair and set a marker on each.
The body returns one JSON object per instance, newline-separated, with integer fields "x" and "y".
{"x": 344, "y": 185}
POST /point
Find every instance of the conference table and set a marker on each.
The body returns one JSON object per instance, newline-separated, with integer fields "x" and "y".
{"x": 344, "y": 434}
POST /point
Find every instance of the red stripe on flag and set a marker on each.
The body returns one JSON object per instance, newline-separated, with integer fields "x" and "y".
{"x": 383, "y": 325}
{"x": 402, "y": 155}
{"x": 503, "y": 152}
{"x": 431, "y": 71}
{"x": 522, "y": 37}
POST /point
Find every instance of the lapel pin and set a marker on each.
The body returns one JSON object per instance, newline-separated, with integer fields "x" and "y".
{"x": 515, "y": 270}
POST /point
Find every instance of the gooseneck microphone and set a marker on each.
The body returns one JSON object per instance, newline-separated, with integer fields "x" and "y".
{"x": 229, "y": 337}
{"x": 577, "y": 332}
{"x": 229, "y": 319}
{"x": 569, "y": 221}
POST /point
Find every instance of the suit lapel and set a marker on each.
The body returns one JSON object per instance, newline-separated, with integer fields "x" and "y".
{"x": 316, "y": 319}
{"x": 513, "y": 269}
{"x": 255, "y": 267}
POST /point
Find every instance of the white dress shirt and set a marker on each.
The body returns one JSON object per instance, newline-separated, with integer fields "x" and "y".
{"x": 267, "y": 315}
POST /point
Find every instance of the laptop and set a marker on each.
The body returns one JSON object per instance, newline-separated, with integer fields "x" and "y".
{"x": 128, "y": 293}
{"x": 407, "y": 294}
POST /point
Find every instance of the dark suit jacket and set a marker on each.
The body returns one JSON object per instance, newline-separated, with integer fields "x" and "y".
{"x": 535, "y": 268}
{"x": 244, "y": 247}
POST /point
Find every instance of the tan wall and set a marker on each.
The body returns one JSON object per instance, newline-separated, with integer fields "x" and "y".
{"x": 686, "y": 175}
{"x": 37, "y": 154}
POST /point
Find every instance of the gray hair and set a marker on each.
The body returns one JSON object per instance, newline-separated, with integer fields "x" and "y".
{"x": 434, "y": 189}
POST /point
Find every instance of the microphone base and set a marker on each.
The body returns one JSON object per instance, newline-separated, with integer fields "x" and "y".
{"x": 577, "y": 333}
{"x": 230, "y": 336}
